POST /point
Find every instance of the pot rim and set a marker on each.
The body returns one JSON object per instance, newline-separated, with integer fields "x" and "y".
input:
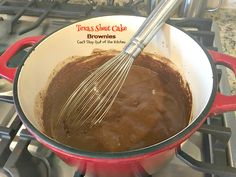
{"x": 161, "y": 146}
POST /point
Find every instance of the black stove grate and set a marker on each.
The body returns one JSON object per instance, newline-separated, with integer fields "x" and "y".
{"x": 65, "y": 10}
{"x": 7, "y": 135}
{"x": 198, "y": 28}
{"x": 20, "y": 162}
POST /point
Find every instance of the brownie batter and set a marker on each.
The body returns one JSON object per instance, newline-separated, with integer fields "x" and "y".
{"x": 153, "y": 105}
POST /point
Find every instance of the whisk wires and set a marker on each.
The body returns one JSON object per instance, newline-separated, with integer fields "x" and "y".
{"x": 93, "y": 98}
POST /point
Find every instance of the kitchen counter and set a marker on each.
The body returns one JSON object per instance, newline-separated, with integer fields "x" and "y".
{"x": 226, "y": 21}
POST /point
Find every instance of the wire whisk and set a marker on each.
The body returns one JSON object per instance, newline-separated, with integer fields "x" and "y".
{"x": 93, "y": 98}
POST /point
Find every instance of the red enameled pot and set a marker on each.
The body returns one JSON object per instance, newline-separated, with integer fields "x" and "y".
{"x": 194, "y": 62}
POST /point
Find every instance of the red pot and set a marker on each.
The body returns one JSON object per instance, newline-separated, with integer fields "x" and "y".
{"x": 195, "y": 64}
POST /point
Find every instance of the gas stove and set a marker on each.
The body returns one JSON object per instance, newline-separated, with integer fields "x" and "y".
{"x": 211, "y": 151}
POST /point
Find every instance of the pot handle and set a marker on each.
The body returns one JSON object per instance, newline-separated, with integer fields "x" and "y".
{"x": 9, "y": 73}
{"x": 5, "y": 71}
{"x": 223, "y": 103}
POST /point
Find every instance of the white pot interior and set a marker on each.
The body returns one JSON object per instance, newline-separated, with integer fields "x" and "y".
{"x": 170, "y": 42}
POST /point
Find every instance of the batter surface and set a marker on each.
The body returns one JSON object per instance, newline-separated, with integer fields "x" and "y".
{"x": 153, "y": 105}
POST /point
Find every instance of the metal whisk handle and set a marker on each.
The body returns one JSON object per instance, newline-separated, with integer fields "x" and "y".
{"x": 150, "y": 27}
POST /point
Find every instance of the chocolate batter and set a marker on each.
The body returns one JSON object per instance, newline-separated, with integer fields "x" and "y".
{"x": 153, "y": 105}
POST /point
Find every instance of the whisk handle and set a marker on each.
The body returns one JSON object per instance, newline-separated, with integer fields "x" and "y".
{"x": 151, "y": 26}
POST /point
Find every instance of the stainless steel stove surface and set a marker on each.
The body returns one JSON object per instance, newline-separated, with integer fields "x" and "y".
{"x": 22, "y": 156}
